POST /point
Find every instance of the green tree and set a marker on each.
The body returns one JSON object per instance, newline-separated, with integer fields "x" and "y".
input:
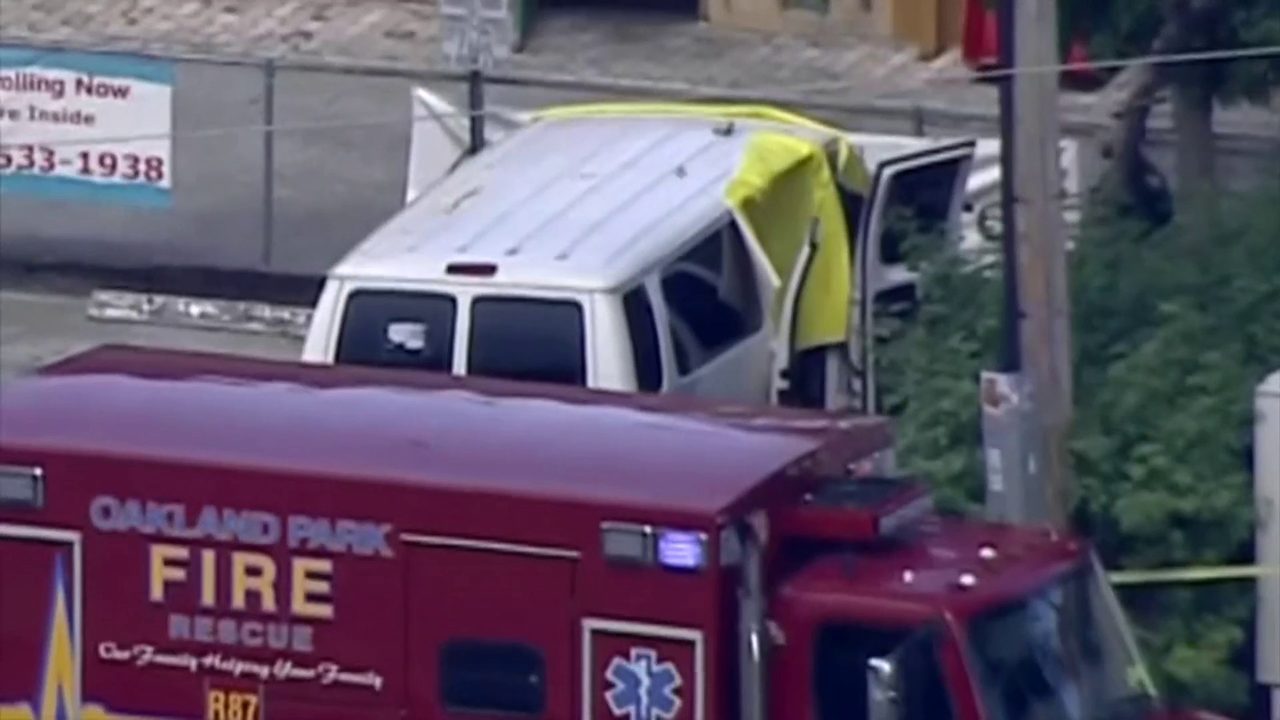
{"x": 1173, "y": 330}
{"x": 1129, "y": 28}
{"x": 1135, "y": 28}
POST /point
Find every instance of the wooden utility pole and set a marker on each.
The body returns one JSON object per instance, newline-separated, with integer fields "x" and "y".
{"x": 1045, "y": 335}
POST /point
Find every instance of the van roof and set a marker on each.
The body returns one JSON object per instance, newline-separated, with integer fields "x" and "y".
{"x": 575, "y": 203}
{"x": 647, "y": 453}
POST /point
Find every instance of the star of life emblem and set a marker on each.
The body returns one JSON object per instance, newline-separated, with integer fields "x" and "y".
{"x": 643, "y": 688}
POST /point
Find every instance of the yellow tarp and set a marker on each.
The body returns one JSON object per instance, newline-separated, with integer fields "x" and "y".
{"x": 782, "y": 184}
{"x": 853, "y": 171}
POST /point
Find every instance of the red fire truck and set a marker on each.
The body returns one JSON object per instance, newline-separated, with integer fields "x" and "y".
{"x": 198, "y": 536}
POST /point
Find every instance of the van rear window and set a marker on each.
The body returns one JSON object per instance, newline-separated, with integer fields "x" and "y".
{"x": 527, "y": 339}
{"x": 391, "y": 328}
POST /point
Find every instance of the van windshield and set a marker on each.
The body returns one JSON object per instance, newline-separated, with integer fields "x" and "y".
{"x": 392, "y": 328}
{"x": 527, "y": 339}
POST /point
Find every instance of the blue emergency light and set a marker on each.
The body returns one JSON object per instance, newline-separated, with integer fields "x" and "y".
{"x": 682, "y": 550}
{"x": 638, "y": 544}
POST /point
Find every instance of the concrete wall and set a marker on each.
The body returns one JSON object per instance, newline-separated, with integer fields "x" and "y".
{"x": 871, "y": 18}
{"x": 932, "y": 26}
{"x": 328, "y": 185}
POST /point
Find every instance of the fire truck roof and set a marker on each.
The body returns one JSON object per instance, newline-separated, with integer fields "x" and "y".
{"x": 418, "y": 428}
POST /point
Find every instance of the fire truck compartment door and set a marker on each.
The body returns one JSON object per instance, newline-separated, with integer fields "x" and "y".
{"x": 642, "y": 670}
{"x": 490, "y": 630}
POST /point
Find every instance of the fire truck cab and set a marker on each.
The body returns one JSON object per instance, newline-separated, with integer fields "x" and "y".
{"x": 196, "y": 536}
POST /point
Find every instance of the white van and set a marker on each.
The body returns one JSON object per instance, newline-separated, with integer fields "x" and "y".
{"x": 675, "y": 248}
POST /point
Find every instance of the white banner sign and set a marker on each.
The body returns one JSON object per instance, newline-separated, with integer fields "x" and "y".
{"x": 80, "y": 126}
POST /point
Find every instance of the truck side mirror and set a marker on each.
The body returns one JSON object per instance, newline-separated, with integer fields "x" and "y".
{"x": 882, "y": 689}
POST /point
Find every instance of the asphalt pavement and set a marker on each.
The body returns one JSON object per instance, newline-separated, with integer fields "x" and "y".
{"x": 38, "y": 328}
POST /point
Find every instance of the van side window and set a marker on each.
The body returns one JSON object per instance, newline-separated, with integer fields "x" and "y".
{"x": 392, "y": 328}
{"x": 712, "y": 298}
{"x": 840, "y": 669}
{"x": 643, "y": 329}
{"x": 521, "y": 338}
{"x": 483, "y": 676}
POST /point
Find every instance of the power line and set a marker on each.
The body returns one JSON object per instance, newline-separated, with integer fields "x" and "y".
{"x": 353, "y": 66}
{"x": 1261, "y": 52}
{"x": 363, "y": 66}
{"x": 257, "y": 127}
{"x": 504, "y": 113}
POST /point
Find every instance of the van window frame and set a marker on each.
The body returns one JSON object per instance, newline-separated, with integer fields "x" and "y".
{"x": 468, "y": 334}
{"x": 654, "y": 322}
{"x": 754, "y": 321}
{"x": 903, "y": 222}
{"x": 358, "y": 295}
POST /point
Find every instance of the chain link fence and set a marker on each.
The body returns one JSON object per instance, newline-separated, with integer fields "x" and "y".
{"x": 280, "y": 167}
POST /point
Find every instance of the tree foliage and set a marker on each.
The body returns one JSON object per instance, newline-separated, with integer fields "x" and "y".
{"x": 1137, "y": 28}
{"x": 1129, "y": 28}
{"x": 1173, "y": 330}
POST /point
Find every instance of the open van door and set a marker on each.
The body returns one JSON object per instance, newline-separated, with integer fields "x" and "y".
{"x": 929, "y": 185}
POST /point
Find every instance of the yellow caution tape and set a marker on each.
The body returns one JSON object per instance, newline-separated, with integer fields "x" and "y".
{"x": 1139, "y": 679}
{"x": 1171, "y": 576}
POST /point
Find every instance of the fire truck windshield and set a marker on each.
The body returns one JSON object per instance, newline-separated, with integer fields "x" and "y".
{"x": 1062, "y": 653}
